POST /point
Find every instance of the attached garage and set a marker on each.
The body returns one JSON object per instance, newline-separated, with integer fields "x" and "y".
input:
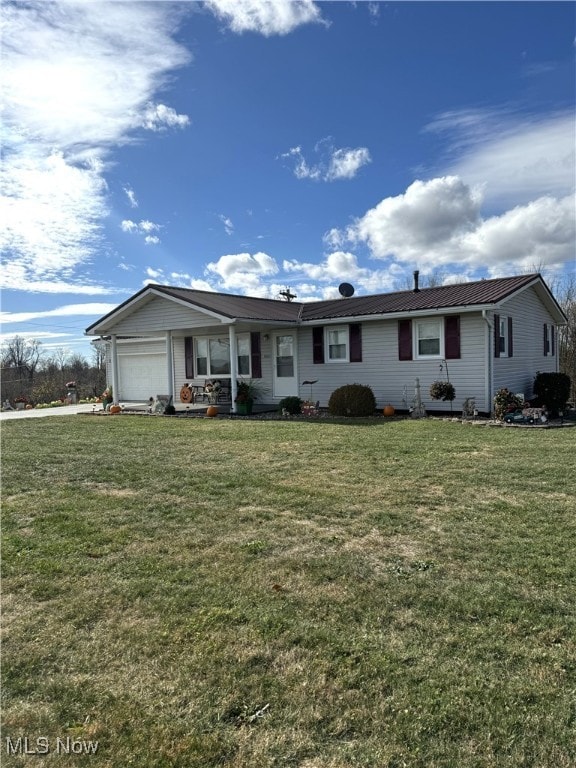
{"x": 142, "y": 370}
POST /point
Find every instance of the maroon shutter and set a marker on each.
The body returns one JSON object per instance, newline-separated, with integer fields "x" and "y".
{"x": 552, "y": 341}
{"x": 355, "y": 333}
{"x": 496, "y": 335}
{"x": 452, "y": 337}
{"x": 510, "y": 338}
{"x": 189, "y": 357}
{"x": 256, "y": 355}
{"x": 318, "y": 344}
{"x": 405, "y": 340}
{"x": 546, "y": 347}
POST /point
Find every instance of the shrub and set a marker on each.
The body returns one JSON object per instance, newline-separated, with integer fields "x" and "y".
{"x": 505, "y": 402}
{"x": 170, "y": 410}
{"x": 442, "y": 390}
{"x": 352, "y": 400}
{"x": 293, "y": 405}
{"x": 552, "y": 390}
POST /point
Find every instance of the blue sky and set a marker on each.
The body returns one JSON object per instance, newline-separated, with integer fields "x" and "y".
{"x": 245, "y": 146}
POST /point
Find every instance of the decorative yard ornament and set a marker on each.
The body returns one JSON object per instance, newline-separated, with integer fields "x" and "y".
{"x": 418, "y": 411}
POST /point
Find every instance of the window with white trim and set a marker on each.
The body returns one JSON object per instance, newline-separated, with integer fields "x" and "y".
{"x": 429, "y": 338}
{"x": 212, "y": 355}
{"x": 503, "y": 336}
{"x": 549, "y": 340}
{"x": 337, "y": 340}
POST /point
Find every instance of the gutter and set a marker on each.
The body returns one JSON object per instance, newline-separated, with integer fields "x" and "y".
{"x": 456, "y": 310}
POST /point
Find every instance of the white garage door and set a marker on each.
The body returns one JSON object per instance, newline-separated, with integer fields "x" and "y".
{"x": 142, "y": 376}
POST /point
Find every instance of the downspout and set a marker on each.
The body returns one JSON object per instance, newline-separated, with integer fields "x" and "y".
{"x": 170, "y": 365}
{"x": 114, "y": 361}
{"x": 233, "y": 367}
{"x": 488, "y": 384}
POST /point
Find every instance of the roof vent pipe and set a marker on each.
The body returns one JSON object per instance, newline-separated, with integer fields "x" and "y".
{"x": 416, "y": 276}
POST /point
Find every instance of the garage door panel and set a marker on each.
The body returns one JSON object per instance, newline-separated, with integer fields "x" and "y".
{"x": 142, "y": 376}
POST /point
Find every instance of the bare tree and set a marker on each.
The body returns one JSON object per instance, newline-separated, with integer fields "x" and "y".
{"x": 566, "y": 297}
{"x": 22, "y": 356}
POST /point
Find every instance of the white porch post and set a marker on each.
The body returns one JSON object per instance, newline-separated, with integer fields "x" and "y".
{"x": 233, "y": 367}
{"x": 170, "y": 365}
{"x": 114, "y": 361}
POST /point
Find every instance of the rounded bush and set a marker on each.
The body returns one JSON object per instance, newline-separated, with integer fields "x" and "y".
{"x": 292, "y": 405}
{"x": 552, "y": 390}
{"x": 352, "y": 400}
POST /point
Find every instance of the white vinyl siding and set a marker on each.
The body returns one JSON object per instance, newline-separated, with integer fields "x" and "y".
{"x": 161, "y": 314}
{"x": 517, "y": 372}
{"x": 387, "y": 376}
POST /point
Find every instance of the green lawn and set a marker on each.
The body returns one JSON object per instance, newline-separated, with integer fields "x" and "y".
{"x": 235, "y": 594}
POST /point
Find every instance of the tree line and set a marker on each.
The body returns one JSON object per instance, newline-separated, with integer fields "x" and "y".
{"x": 32, "y": 373}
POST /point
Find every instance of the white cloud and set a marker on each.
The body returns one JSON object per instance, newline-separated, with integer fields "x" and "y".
{"x": 428, "y": 214}
{"x": 228, "y": 225}
{"x": 131, "y": 195}
{"x": 267, "y": 17}
{"x": 143, "y": 228}
{"x": 243, "y": 270}
{"x": 333, "y": 164}
{"x": 68, "y": 310}
{"x": 158, "y": 117}
{"x": 438, "y": 223}
{"x": 342, "y": 266}
{"x": 516, "y": 158}
{"x": 345, "y": 163}
{"x": 14, "y": 276}
{"x": 78, "y": 79}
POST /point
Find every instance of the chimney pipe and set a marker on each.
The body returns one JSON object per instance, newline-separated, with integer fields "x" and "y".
{"x": 416, "y": 275}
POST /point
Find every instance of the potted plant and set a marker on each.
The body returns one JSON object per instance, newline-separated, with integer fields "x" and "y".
{"x": 107, "y": 398}
{"x": 247, "y": 391}
{"x": 442, "y": 390}
{"x": 21, "y": 402}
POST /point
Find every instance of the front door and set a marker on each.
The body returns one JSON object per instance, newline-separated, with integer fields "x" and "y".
{"x": 285, "y": 365}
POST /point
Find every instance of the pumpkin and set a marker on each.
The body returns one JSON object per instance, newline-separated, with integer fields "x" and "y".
{"x": 388, "y": 410}
{"x": 115, "y": 409}
{"x": 186, "y": 394}
{"x": 212, "y": 411}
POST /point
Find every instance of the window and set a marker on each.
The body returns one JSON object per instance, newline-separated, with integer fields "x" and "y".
{"x": 428, "y": 338}
{"x": 340, "y": 344}
{"x": 549, "y": 340}
{"x": 243, "y": 344}
{"x": 503, "y": 336}
{"x": 337, "y": 342}
{"x": 212, "y": 356}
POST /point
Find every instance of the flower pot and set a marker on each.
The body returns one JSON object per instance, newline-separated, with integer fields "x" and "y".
{"x": 20, "y": 406}
{"x": 244, "y": 409}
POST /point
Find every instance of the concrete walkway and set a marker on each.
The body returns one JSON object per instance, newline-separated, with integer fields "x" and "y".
{"x": 62, "y": 410}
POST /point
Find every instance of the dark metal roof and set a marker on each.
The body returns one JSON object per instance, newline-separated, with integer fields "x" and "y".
{"x": 441, "y": 297}
{"x": 250, "y": 308}
{"x": 233, "y": 306}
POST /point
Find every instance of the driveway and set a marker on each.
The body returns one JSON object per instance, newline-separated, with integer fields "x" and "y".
{"x": 62, "y": 410}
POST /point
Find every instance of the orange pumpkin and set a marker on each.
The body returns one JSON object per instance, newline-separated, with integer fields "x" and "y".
{"x": 115, "y": 409}
{"x": 388, "y": 410}
{"x": 212, "y": 411}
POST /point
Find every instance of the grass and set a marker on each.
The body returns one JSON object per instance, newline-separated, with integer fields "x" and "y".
{"x": 228, "y": 594}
